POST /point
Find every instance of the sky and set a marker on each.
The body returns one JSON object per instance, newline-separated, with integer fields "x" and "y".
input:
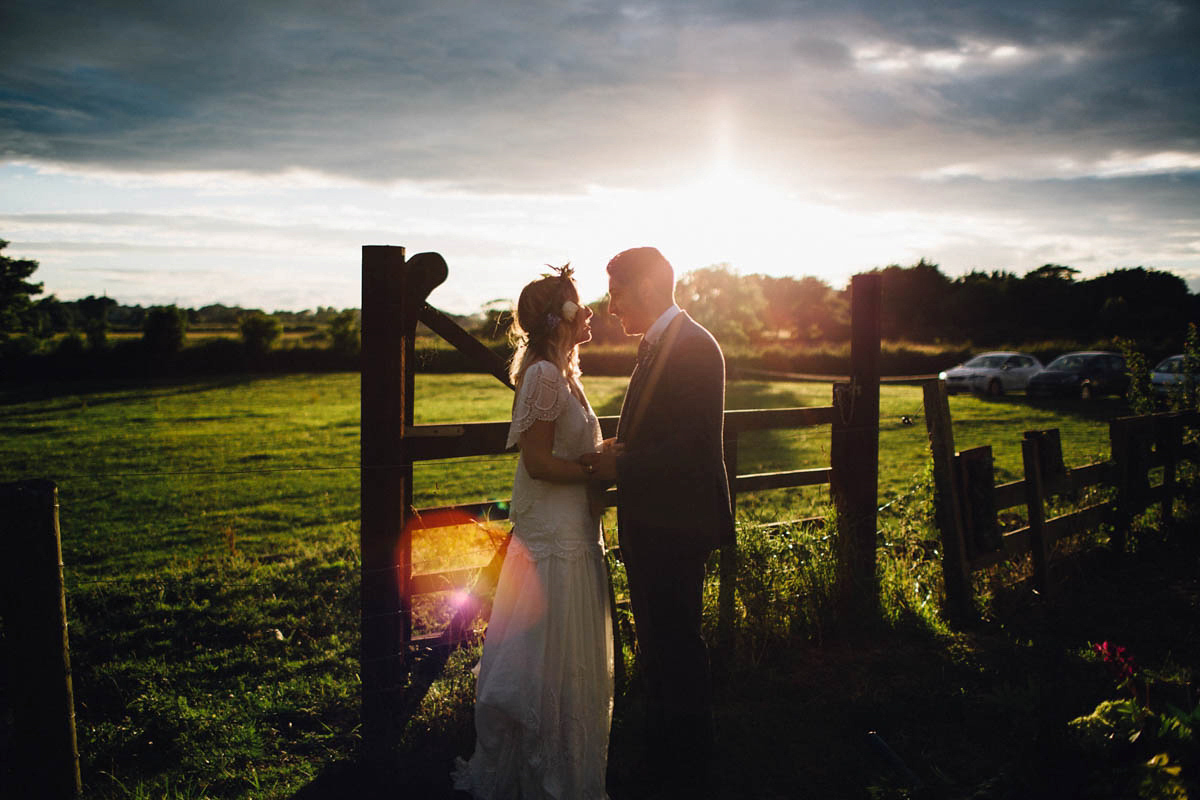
{"x": 244, "y": 152}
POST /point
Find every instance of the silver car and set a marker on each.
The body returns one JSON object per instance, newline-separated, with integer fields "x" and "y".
{"x": 1169, "y": 376}
{"x": 992, "y": 373}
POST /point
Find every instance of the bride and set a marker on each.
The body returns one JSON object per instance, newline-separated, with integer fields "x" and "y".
{"x": 543, "y": 701}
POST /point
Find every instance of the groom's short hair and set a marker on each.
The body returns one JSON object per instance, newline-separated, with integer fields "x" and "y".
{"x": 638, "y": 263}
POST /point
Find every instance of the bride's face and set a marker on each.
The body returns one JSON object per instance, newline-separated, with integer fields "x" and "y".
{"x": 582, "y": 326}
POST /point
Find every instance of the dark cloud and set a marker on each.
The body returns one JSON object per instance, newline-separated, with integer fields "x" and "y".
{"x": 530, "y": 96}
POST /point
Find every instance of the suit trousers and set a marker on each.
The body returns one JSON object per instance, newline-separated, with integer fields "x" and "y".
{"x": 666, "y": 584}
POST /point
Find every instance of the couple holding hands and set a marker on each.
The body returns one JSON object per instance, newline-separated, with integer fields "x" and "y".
{"x": 544, "y": 695}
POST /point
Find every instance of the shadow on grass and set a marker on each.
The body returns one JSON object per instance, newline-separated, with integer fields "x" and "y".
{"x": 742, "y": 394}
{"x": 141, "y": 389}
{"x": 1100, "y": 409}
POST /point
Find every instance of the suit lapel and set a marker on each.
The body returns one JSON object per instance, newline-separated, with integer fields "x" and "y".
{"x": 645, "y": 379}
{"x": 632, "y": 392}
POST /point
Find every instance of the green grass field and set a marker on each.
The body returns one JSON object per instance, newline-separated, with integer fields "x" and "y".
{"x": 210, "y": 533}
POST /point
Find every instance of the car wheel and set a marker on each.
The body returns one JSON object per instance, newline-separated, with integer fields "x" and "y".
{"x": 994, "y": 388}
{"x": 1087, "y": 392}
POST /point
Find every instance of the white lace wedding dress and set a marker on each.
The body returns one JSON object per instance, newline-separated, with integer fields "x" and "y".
{"x": 543, "y": 701}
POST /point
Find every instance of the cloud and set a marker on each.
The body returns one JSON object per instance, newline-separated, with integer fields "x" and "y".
{"x": 535, "y": 96}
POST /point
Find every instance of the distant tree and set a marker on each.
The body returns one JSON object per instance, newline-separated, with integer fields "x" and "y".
{"x": 1052, "y": 272}
{"x": 48, "y": 316}
{"x": 127, "y": 318}
{"x": 980, "y": 308}
{"x": 914, "y": 302}
{"x": 163, "y": 330}
{"x": 1151, "y": 305}
{"x": 70, "y": 345}
{"x": 344, "y": 332}
{"x": 95, "y": 308}
{"x": 96, "y": 332}
{"x": 805, "y": 308}
{"x": 15, "y": 291}
{"x": 218, "y": 314}
{"x": 1113, "y": 317}
{"x": 94, "y": 311}
{"x": 731, "y": 307}
{"x": 259, "y": 331}
{"x": 497, "y": 320}
{"x": 325, "y": 314}
{"x": 1047, "y": 304}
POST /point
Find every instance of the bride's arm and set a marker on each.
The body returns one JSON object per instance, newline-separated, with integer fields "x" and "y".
{"x": 537, "y": 444}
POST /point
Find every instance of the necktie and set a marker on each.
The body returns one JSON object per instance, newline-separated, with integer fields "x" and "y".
{"x": 643, "y": 351}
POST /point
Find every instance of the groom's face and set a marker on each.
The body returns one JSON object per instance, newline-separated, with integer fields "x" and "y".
{"x": 627, "y": 303}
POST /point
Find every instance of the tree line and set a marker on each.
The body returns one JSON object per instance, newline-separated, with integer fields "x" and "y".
{"x": 921, "y": 304}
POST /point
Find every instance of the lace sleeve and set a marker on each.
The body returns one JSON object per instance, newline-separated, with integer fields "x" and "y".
{"x": 541, "y": 396}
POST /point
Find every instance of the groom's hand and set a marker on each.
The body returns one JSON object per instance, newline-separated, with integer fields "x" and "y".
{"x": 604, "y": 463}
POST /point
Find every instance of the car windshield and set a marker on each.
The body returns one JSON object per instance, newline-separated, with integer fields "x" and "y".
{"x": 987, "y": 361}
{"x": 1071, "y": 362}
{"x": 1172, "y": 364}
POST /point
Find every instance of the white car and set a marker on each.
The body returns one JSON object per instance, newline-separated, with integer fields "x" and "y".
{"x": 1169, "y": 376}
{"x": 992, "y": 373}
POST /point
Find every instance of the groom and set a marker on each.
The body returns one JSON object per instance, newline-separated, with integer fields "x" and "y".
{"x": 673, "y": 504}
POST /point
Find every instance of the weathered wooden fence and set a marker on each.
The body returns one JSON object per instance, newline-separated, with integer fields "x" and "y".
{"x": 394, "y": 295}
{"x": 45, "y": 755}
{"x": 969, "y": 502}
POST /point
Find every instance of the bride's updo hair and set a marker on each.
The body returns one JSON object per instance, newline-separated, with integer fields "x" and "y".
{"x": 539, "y": 330}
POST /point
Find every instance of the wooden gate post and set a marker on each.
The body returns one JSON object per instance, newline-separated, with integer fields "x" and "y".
{"x": 1129, "y": 438}
{"x": 854, "y": 458}
{"x": 385, "y": 491}
{"x": 34, "y": 608}
{"x": 393, "y": 295}
{"x": 956, "y": 572}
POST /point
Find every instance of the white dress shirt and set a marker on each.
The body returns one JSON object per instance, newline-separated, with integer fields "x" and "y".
{"x": 655, "y": 331}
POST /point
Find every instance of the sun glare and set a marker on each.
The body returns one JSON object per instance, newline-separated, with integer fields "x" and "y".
{"x": 732, "y": 215}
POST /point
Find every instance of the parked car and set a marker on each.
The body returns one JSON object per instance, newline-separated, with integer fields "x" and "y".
{"x": 992, "y": 373}
{"x": 1169, "y": 376}
{"x": 1085, "y": 374}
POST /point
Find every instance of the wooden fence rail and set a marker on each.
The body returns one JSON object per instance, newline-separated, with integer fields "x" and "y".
{"x": 968, "y": 503}
{"x": 470, "y": 439}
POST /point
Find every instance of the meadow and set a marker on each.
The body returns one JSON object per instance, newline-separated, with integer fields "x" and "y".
{"x": 210, "y": 536}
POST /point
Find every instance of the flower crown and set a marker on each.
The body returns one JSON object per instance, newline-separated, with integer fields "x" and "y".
{"x": 569, "y": 309}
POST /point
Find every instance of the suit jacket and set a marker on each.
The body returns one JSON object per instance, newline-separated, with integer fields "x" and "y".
{"x": 671, "y": 479}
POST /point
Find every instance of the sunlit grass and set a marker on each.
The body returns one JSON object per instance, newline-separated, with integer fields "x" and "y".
{"x": 210, "y": 536}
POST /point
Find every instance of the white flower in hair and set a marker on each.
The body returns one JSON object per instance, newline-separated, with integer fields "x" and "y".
{"x": 569, "y": 310}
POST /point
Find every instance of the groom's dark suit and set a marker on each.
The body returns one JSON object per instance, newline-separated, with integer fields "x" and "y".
{"x": 673, "y": 508}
